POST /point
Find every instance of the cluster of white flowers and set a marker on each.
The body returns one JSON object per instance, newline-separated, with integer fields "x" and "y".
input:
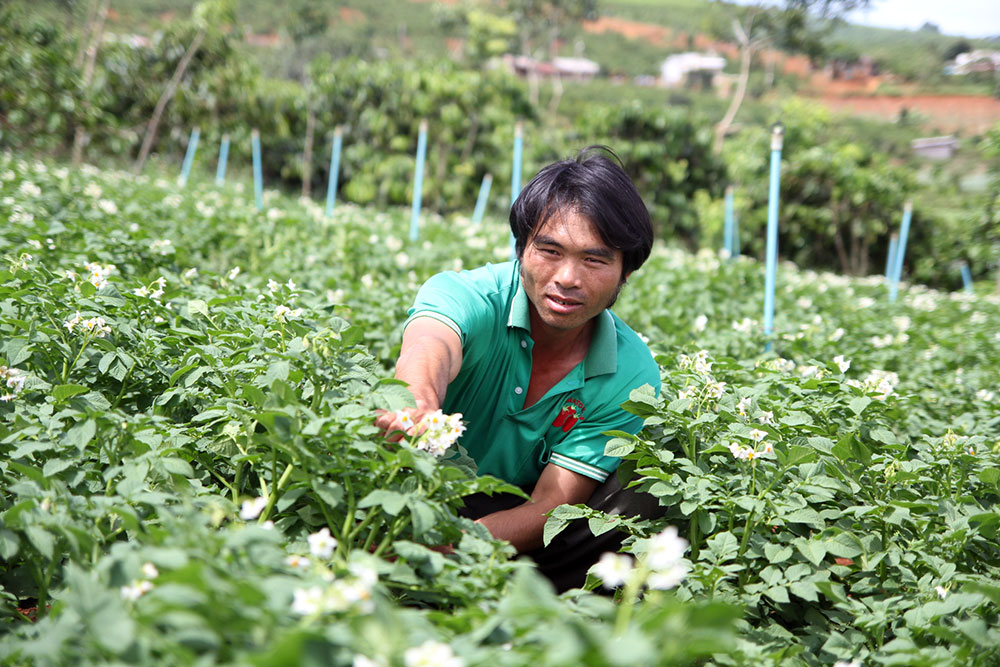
{"x": 172, "y": 201}
{"x": 431, "y": 654}
{"x": 99, "y": 273}
{"x": 140, "y": 587}
{"x": 985, "y": 395}
{"x": 878, "y": 342}
{"x": 353, "y": 593}
{"x": 844, "y": 663}
{"x": 251, "y": 509}
{"x": 235, "y": 271}
{"x": 837, "y": 334}
{"x": 107, "y": 206}
{"x": 283, "y": 313}
{"x": 393, "y": 244}
{"x": 322, "y": 544}
{"x": 29, "y": 189}
{"x": 700, "y": 323}
{"x": 746, "y": 326}
{"x": 145, "y": 290}
{"x": 92, "y": 190}
{"x": 750, "y": 453}
{"x": 436, "y": 431}
{"x": 699, "y": 362}
{"x": 13, "y": 379}
{"x": 162, "y": 246}
{"x": 662, "y": 565}
{"x": 402, "y": 260}
{"x": 841, "y": 363}
{"x": 881, "y": 383}
{"x": 95, "y": 325}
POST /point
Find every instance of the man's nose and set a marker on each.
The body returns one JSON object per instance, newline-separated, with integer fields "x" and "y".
{"x": 568, "y": 274}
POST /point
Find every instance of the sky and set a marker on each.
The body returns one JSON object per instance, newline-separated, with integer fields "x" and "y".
{"x": 969, "y": 18}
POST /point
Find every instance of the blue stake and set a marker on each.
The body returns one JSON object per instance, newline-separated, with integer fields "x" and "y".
{"x": 418, "y": 181}
{"x": 967, "y": 278}
{"x": 728, "y": 242}
{"x": 189, "y": 156}
{"x": 331, "y": 187}
{"x": 258, "y": 179}
{"x": 777, "y": 140}
{"x": 220, "y": 171}
{"x": 484, "y": 195}
{"x": 890, "y": 258}
{"x": 736, "y": 235}
{"x": 515, "y": 176}
{"x": 897, "y": 263}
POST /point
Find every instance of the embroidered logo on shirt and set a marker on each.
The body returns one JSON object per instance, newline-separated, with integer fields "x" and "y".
{"x": 571, "y": 413}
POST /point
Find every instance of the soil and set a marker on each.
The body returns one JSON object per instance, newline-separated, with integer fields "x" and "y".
{"x": 946, "y": 113}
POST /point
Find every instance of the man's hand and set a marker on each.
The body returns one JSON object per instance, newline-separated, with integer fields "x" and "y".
{"x": 523, "y": 525}
{"x": 430, "y": 358}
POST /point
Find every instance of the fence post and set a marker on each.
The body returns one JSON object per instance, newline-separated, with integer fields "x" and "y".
{"x": 484, "y": 195}
{"x": 192, "y": 147}
{"x": 418, "y": 181}
{"x": 890, "y": 258}
{"x": 897, "y": 263}
{"x": 220, "y": 171}
{"x": 331, "y": 187}
{"x": 967, "y": 278}
{"x": 777, "y": 142}
{"x": 728, "y": 242}
{"x": 258, "y": 179}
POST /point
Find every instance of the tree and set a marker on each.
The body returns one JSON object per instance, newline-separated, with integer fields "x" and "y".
{"x": 799, "y": 26}
{"x": 207, "y": 15}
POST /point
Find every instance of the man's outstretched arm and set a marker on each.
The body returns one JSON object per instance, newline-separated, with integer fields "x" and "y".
{"x": 430, "y": 358}
{"x": 522, "y": 526}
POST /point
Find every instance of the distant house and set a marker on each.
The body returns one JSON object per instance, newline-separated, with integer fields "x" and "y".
{"x": 935, "y": 148}
{"x": 578, "y": 69}
{"x": 692, "y": 69}
{"x": 980, "y": 60}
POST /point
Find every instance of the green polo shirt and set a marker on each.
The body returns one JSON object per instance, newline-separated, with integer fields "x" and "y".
{"x": 488, "y": 309}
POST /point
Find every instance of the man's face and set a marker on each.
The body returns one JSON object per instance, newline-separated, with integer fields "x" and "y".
{"x": 569, "y": 274}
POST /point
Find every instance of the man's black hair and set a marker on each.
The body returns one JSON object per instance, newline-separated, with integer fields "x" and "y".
{"x": 595, "y": 187}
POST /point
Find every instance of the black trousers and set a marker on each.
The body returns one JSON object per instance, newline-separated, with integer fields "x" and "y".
{"x": 568, "y": 557}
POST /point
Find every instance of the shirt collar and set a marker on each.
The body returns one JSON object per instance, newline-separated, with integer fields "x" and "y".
{"x": 602, "y": 356}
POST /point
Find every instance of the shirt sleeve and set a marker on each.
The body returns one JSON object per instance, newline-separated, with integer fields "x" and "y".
{"x": 457, "y": 301}
{"x": 582, "y": 450}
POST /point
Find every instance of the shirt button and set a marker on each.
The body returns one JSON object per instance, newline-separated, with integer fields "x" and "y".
{"x": 524, "y": 343}
{"x": 518, "y": 390}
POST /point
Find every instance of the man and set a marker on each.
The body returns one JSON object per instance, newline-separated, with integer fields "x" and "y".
{"x": 531, "y": 356}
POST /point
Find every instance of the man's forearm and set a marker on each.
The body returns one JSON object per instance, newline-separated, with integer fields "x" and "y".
{"x": 522, "y": 526}
{"x": 424, "y": 366}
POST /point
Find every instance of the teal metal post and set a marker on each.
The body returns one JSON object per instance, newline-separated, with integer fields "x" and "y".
{"x": 897, "y": 263}
{"x": 418, "y": 182}
{"x": 890, "y": 258}
{"x": 189, "y": 156}
{"x": 331, "y": 187}
{"x": 515, "y": 176}
{"x": 258, "y": 179}
{"x": 967, "y": 278}
{"x": 777, "y": 141}
{"x": 728, "y": 242}
{"x": 484, "y": 195}
{"x": 220, "y": 171}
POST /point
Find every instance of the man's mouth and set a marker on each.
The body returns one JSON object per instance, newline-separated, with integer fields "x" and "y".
{"x": 561, "y": 304}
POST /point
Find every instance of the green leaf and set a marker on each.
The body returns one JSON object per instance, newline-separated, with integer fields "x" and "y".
{"x": 553, "y": 526}
{"x": 619, "y": 447}
{"x": 804, "y": 589}
{"x": 63, "y": 391}
{"x": 198, "y": 307}
{"x": 391, "y": 502}
{"x": 723, "y": 546}
{"x": 777, "y": 553}
{"x": 10, "y": 544}
{"x": 795, "y": 418}
{"x": 883, "y": 435}
{"x": 845, "y": 545}
{"x": 53, "y": 467}
{"x": 41, "y": 539}
{"x": 806, "y": 515}
{"x": 777, "y": 593}
{"x": 813, "y": 550}
{"x": 328, "y": 492}
{"x": 989, "y": 476}
{"x": 859, "y": 403}
{"x": 18, "y": 350}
